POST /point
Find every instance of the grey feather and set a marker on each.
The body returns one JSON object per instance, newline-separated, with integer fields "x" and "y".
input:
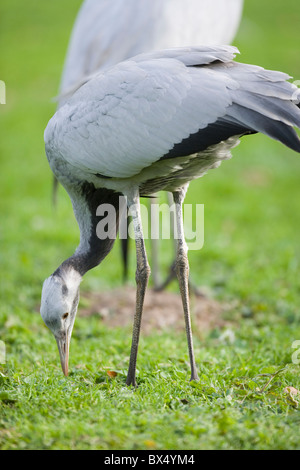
{"x": 275, "y": 129}
{"x": 158, "y": 105}
{"x": 193, "y": 56}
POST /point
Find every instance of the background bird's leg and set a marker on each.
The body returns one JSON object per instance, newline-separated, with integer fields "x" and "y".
{"x": 142, "y": 277}
{"x": 125, "y": 246}
{"x": 172, "y": 269}
{"x": 158, "y": 286}
{"x": 154, "y": 247}
{"x": 55, "y": 185}
{"x": 182, "y": 271}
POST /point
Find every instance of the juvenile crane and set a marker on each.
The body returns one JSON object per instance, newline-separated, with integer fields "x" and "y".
{"x": 152, "y": 123}
{"x": 100, "y": 39}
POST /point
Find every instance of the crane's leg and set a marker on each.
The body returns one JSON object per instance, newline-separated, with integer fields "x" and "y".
{"x": 142, "y": 277}
{"x": 182, "y": 271}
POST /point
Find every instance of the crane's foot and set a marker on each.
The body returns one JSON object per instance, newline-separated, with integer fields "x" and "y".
{"x": 194, "y": 376}
{"x": 130, "y": 381}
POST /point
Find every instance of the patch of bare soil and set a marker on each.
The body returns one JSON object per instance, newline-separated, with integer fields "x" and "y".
{"x": 162, "y": 310}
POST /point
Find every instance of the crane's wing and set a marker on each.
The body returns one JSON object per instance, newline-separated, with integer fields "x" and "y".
{"x": 169, "y": 103}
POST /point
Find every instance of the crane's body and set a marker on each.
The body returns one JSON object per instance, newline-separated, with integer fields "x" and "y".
{"x": 152, "y": 123}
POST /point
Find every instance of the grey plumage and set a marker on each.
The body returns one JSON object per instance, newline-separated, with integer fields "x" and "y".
{"x": 154, "y": 122}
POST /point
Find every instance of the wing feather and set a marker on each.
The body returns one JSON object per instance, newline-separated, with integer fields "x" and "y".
{"x": 129, "y": 117}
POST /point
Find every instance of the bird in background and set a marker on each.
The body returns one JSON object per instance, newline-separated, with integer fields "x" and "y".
{"x": 152, "y": 123}
{"x": 106, "y": 32}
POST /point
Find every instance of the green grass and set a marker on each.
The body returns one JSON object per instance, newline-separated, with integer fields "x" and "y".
{"x": 251, "y": 256}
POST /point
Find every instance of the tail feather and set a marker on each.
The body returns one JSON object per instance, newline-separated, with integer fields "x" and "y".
{"x": 265, "y": 101}
{"x": 274, "y": 128}
{"x": 270, "y": 106}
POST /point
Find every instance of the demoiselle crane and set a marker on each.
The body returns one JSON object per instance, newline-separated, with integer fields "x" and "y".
{"x": 107, "y": 32}
{"x": 152, "y": 123}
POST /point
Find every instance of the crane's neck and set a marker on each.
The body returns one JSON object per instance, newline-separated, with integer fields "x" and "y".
{"x": 97, "y": 212}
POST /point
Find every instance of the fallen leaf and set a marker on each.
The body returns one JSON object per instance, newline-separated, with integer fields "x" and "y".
{"x": 111, "y": 374}
{"x": 150, "y": 444}
{"x": 291, "y": 390}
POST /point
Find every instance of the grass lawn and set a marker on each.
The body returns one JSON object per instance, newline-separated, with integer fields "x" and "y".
{"x": 251, "y": 258}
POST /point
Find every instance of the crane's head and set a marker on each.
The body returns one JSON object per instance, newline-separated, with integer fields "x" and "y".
{"x": 60, "y": 297}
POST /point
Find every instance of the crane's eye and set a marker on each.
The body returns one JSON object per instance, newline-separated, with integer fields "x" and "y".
{"x": 65, "y": 315}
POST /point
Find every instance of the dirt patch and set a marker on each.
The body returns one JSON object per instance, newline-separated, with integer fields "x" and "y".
{"x": 161, "y": 310}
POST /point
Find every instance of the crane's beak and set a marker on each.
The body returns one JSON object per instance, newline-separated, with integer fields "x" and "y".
{"x": 63, "y": 344}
